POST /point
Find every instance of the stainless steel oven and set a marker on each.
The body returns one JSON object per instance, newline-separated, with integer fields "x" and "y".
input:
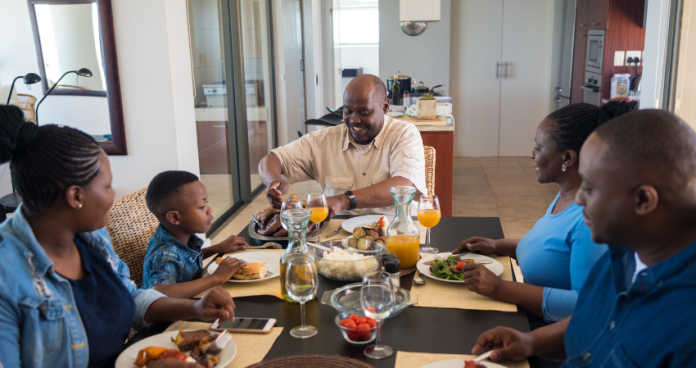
{"x": 595, "y": 51}
{"x": 592, "y": 88}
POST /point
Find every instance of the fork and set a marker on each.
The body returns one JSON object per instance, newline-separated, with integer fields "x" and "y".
{"x": 270, "y": 245}
{"x": 217, "y": 346}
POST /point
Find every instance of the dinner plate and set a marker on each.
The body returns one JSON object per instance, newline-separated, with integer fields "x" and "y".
{"x": 269, "y": 259}
{"x": 366, "y": 220}
{"x": 459, "y": 363}
{"x": 395, "y": 114}
{"x": 424, "y": 269}
{"x": 128, "y": 356}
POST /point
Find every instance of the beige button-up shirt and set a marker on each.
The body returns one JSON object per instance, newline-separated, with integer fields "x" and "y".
{"x": 332, "y": 158}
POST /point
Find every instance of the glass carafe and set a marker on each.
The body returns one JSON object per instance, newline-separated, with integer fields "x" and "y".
{"x": 403, "y": 237}
{"x": 296, "y": 221}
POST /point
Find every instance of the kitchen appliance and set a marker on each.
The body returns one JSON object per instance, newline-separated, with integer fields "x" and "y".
{"x": 420, "y": 89}
{"x": 403, "y": 81}
{"x": 562, "y": 52}
{"x": 215, "y": 94}
{"x": 592, "y": 86}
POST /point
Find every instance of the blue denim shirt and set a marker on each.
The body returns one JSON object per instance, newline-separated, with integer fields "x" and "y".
{"x": 169, "y": 261}
{"x": 40, "y": 325}
{"x": 649, "y": 323}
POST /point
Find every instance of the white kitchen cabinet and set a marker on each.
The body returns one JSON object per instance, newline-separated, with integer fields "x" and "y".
{"x": 498, "y": 112}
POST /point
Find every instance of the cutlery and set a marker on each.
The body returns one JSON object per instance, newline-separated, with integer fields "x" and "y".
{"x": 417, "y": 279}
{"x": 217, "y": 346}
{"x": 333, "y": 233}
{"x": 270, "y": 245}
{"x": 315, "y": 245}
{"x": 256, "y": 221}
{"x": 484, "y": 261}
{"x": 483, "y": 356}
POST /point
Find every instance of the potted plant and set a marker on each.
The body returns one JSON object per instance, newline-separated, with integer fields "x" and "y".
{"x": 427, "y": 107}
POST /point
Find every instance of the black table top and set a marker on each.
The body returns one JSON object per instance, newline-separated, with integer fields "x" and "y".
{"x": 445, "y": 331}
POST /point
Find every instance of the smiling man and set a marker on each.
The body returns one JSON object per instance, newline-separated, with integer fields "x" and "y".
{"x": 354, "y": 163}
{"x": 636, "y": 308}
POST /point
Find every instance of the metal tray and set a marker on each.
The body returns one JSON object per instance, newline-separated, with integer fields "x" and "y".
{"x": 255, "y": 235}
{"x": 347, "y": 299}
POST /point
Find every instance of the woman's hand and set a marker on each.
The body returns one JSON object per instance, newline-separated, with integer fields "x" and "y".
{"x": 506, "y": 343}
{"x": 479, "y": 279}
{"x": 482, "y": 245}
{"x": 216, "y": 304}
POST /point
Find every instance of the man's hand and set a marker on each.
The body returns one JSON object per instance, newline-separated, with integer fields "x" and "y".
{"x": 506, "y": 343}
{"x": 336, "y": 204}
{"x": 479, "y": 279}
{"x": 275, "y": 191}
{"x": 231, "y": 244}
{"x": 216, "y": 304}
{"x": 482, "y": 245}
{"x": 228, "y": 267}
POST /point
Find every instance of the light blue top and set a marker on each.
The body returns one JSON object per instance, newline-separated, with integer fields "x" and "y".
{"x": 558, "y": 254}
{"x": 40, "y": 324}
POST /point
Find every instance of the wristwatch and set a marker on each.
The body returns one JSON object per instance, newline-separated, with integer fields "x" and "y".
{"x": 351, "y": 197}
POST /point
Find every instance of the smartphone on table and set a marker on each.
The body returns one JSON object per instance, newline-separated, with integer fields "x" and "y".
{"x": 250, "y": 325}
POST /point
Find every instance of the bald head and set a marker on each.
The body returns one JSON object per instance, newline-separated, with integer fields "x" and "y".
{"x": 364, "y": 105}
{"x": 368, "y": 84}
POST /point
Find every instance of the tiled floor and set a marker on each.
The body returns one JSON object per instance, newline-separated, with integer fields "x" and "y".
{"x": 483, "y": 187}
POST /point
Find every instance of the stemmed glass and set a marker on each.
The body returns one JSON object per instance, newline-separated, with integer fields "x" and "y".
{"x": 377, "y": 300}
{"x": 429, "y": 216}
{"x": 316, "y": 202}
{"x": 290, "y": 204}
{"x": 301, "y": 283}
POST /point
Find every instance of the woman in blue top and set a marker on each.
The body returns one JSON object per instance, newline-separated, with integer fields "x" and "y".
{"x": 66, "y": 299}
{"x": 557, "y": 254}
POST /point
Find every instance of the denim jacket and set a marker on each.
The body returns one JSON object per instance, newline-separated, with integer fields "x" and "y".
{"x": 169, "y": 261}
{"x": 40, "y": 325}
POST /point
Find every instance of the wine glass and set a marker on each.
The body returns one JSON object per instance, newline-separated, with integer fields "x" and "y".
{"x": 316, "y": 202}
{"x": 301, "y": 283}
{"x": 377, "y": 300}
{"x": 290, "y": 204}
{"x": 429, "y": 216}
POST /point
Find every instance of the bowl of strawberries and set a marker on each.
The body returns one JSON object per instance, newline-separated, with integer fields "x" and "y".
{"x": 356, "y": 329}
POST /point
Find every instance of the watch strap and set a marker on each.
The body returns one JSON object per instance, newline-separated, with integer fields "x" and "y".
{"x": 351, "y": 197}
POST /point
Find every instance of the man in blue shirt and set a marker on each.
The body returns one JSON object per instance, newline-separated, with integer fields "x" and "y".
{"x": 635, "y": 309}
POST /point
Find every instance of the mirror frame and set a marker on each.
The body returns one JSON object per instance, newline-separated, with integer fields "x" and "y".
{"x": 117, "y": 145}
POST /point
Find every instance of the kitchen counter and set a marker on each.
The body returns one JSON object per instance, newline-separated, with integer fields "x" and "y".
{"x": 442, "y": 139}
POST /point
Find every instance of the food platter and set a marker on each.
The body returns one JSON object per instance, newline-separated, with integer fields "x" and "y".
{"x": 128, "y": 356}
{"x": 366, "y": 220}
{"x": 255, "y": 235}
{"x": 459, "y": 363}
{"x": 269, "y": 259}
{"x": 424, "y": 269}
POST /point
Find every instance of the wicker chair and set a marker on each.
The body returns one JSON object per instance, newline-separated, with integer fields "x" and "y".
{"x": 26, "y": 103}
{"x": 130, "y": 226}
{"x": 430, "y": 169}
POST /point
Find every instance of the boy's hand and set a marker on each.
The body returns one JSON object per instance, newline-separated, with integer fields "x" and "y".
{"x": 228, "y": 267}
{"x": 231, "y": 244}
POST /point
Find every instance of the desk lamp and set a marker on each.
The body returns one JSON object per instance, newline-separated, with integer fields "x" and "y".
{"x": 83, "y": 72}
{"x": 30, "y": 78}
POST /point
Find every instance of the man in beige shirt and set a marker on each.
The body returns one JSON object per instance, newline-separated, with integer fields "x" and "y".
{"x": 354, "y": 163}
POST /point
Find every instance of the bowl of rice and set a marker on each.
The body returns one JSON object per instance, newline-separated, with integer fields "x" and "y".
{"x": 342, "y": 262}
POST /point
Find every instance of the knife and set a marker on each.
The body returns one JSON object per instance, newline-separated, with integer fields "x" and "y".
{"x": 483, "y": 356}
{"x": 333, "y": 233}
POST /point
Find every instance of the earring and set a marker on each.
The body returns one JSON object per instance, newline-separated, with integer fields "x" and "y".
{"x": 79, "y": 206}
{"x": 563, "y": 167}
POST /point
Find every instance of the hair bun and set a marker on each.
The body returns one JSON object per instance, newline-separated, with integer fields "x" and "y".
{"x": 614, "y": 109}
{"x": 15, "y": 133}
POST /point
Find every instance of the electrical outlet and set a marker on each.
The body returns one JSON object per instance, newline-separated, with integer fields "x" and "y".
{"x": 619, "y": 57}
{"x": 634, "y": 54}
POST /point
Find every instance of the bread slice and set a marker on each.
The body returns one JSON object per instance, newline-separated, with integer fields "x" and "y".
{"x": 251, "y": 271}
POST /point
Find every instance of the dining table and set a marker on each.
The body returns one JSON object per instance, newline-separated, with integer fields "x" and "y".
{"x": 416, "y": 329}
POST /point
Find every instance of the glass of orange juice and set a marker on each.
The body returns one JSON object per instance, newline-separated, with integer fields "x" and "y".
{"x": 429, "y": 216}
{"x": 316, "y": 202}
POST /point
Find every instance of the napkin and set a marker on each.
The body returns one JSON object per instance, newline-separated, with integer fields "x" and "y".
{"x": 417, "y": 360}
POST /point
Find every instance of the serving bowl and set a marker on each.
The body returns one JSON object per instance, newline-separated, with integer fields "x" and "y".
{"x": 352, "y": 335}
{"x": 330, "y": 264}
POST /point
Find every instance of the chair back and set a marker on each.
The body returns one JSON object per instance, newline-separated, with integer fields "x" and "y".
{"x": 430, "y": 169}
{"x": 26, "y": 103}
{"x": 130, "y": 226}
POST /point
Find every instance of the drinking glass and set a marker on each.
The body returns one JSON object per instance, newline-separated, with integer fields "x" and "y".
{"x": 316, "y": 202}
{"x": 377, "y": 300}
{"x": 301, "y": 283}
{"x": 429, "y": 216}
{"x": 290, "y": 204}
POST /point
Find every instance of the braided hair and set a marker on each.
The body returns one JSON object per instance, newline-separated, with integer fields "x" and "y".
{"x": 574, "y": 123}
{"x": 45, "y": 160}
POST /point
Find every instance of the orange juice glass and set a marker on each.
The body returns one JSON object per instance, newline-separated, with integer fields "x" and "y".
{"x": 429, "y": 218}
{"x": 405, "y": 248}
{"x": 316, "y": 202}
{"x": 319, "y": 214}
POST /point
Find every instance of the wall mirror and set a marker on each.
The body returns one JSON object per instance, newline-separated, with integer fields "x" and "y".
{"x": 71, "y": 36}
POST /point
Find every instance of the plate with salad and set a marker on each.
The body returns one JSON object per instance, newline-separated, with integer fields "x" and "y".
{"x": 447, "y": 266}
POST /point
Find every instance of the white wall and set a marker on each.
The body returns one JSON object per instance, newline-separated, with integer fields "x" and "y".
{"x": 155, "y": 72}
{"x": 426, "y": 57}
{"x": 654, "y": 54}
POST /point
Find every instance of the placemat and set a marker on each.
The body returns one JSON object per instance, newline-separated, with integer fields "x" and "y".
{"x": 417, "y": 360}
{"x": 251, "y": 347}
{"x": 242, "y": 289}
{"x": 438, "y": 294}
{"x": 311, "y": 360}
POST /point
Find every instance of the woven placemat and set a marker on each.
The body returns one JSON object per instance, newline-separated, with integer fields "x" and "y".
{"x": 242, "y": 289}
{"x": 311, "y": 360}
{"x": 417, "y": 360}
{"x": 439, "y": 294}
{"x": 251, "y": 347}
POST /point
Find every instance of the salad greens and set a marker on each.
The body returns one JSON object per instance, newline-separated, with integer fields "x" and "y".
{"x": 447, "y": 269}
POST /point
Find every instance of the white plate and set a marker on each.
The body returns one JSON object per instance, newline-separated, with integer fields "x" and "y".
{"x": 395, "y": 114}
{"x": 269, "y": 259}
{"x": 424, "y": 269}
{"x": 128, "y": 356}
{"x": 459, "y": 363}
{"x": 367, "y": 220}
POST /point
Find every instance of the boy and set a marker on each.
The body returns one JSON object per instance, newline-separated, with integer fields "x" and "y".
{"x": 174, "y": 258}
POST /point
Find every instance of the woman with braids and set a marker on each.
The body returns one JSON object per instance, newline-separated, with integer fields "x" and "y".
{"x": 66, "y": 299}
{"x": 557, "y": 254}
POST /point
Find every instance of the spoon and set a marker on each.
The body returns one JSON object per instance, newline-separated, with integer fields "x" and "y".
{"x": 417, "y": 279}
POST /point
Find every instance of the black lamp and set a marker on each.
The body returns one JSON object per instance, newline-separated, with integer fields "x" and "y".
{"x": 30, "y": 78}
{"x": 82, "y": 72}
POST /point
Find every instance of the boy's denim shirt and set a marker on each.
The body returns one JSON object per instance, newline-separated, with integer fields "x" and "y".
{"x": 169, "y": 261}
{"x": 40, "y": 325}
